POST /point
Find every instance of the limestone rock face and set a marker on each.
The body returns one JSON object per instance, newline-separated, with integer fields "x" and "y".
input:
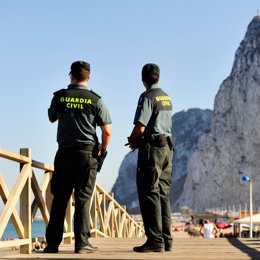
{"x": 188, "y": 126}
{"x": 232, "y": 147}
{"x": 124, "y": 189}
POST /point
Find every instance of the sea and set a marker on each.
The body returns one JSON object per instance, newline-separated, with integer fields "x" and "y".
{"x": 38, "y": 230}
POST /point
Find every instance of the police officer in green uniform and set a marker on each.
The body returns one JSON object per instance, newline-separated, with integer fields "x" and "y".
{"x": 152, "y": 134}
{"x": 78, "y": 111}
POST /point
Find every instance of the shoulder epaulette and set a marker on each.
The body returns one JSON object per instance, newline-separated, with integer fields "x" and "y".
{"x": 95, "y": 93}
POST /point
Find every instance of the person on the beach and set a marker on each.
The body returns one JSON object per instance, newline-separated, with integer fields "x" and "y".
{"x": 78, "y": 111}
{"x": 152, "y": 134}
{"x": 208, "y": 229}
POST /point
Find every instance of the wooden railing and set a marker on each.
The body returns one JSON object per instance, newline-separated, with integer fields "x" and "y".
{"x": 108, "y": 218}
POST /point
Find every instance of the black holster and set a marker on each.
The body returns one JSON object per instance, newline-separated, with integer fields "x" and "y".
{"x": 100, "y": 155}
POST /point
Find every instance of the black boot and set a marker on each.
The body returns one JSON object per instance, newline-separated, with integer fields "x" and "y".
{"x": 149, "y": 247}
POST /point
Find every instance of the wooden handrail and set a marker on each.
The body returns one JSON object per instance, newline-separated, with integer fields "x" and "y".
{"x": 13, "y": 156}
{"x": 42, "y": 166}
{"x": 108, "y": 217}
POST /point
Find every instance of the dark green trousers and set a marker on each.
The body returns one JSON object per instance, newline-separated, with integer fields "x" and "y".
{"x": 154, "y": 174}
{"x": 73, "y": 170}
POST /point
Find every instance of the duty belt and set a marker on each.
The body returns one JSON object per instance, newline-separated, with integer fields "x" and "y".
{"x": 84, "y": 147}
{"x": 160, "y": 141}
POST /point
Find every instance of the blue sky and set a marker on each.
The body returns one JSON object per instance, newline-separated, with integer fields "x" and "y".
{"x": 193, "y": 42}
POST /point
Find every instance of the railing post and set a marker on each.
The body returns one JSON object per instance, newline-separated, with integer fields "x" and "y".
{"x": 125, "y": 225}
{"x": 112, "y": 218}
{"x": 93, "y": 211}
{"x": 48, "y": 196}
{"x": 25, "y": 206}
{"x": 102, "y": 210}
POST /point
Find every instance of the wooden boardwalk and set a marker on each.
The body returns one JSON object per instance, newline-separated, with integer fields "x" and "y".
{"x": 185, "y": 248}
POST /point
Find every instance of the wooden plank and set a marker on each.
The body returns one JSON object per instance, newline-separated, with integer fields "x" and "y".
{"x": 97, "y": 233}
{"x": 14, "y": 243}
{"x": 14, "y": 156}
{"x": 115, "y": 220}
{"x": 43, "y": 188}
{"x": 131, "y": 230}
{"x": 183, "y": 248}
{"x": 48, "y": 197}
{"x": 25, "y": 204}
{"x": 68, "y": 234}
{"x": 100, "y": 213}
{"x": 108, "y": 218}
{"x": 15, "y": 216}
{"x": 13, "y": 197}
{"x": 40, "y": 202}
{"x": 122, "y": 225}
{"x": 102, "y": 206}
{"x": 93, "y": 212}
{"x": 42, "y": 166}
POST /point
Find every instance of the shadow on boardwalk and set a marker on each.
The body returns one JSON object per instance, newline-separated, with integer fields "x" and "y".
{"x": 250, "y": 247}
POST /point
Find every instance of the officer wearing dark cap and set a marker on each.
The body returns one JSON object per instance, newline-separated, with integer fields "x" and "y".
{"x": 78, "y": 111}
{"x": 152, "y": 134}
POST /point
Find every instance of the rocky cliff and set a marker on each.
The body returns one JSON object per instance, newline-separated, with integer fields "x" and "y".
{"x": 232, "y": 147}
{"x": 188, "y": 126}
{"x": 213, "y": 152}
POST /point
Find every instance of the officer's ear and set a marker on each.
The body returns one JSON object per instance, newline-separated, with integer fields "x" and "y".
{"x": 145, "y": 84}
{"x": 71, "y": 77}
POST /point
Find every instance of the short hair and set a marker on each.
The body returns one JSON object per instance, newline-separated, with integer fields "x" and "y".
{"x": 80, "y": 70}
{"x": 150, "y": 73}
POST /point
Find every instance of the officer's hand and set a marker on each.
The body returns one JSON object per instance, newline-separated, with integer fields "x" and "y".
{"x": 131, "y": 146}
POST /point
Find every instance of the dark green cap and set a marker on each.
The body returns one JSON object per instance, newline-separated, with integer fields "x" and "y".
{"x": 78, "y": 67}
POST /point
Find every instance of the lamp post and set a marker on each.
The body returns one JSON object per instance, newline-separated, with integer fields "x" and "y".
{"x": 247, "y": 179}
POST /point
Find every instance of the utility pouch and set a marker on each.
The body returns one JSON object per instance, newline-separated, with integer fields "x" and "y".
{"x": 170, "y": 142}
{"x": 159, "y": 141}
